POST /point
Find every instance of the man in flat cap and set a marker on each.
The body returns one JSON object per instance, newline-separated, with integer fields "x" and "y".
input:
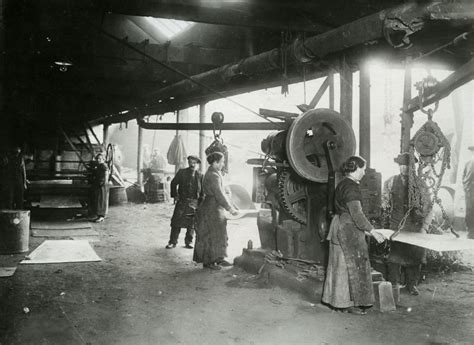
{"x": 186, "y": 189}
{"x": 468, "y": 185}
{"x": 395, "y": 206}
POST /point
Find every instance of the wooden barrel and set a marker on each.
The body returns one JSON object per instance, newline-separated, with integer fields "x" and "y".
{"x": 14, "y": 231}
{"x": 117, "y": 195}
{"x": 155, "y": 193}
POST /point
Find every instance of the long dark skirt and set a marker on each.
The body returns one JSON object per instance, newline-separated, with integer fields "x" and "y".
{"x": 211, "y": 232}
{"x": 348, "y": 276}
{"x": 100, "y": 200}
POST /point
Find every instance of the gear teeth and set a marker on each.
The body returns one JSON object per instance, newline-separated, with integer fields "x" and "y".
{"x": 285, "y": 176}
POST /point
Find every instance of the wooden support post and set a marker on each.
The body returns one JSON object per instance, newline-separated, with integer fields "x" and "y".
{"x": 407, "y": 117}
{"x": 331, "y": 90}
{"x": 176, "y": 168}
{"x": 364, "y": 112}
{"x": 346, "y": 92}
{"x": 317, "y": 97}
{"x": 140, "y": 158}
{"x": 105, "y": 139}
{"x": 202, "y": 136}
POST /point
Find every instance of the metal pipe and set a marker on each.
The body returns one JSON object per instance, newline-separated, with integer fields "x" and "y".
{"x": 364, "y": 30}
{"x": 245, "y": 126}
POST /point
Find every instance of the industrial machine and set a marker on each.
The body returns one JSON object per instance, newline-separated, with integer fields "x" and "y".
{"x": 295, "y": 183}
{"x": 61, "y": 182}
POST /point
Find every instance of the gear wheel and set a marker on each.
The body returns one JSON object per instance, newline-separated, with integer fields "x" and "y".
{"x": 292, "y": 193}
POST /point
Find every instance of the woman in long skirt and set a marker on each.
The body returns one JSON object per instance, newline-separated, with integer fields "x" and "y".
{"x": 348, "y": 284}
{"x": 100, "y": 188}
{"x": 210, "y": 247}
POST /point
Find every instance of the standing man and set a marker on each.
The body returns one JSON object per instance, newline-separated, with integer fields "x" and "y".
{"x": 395, "y": 206}
{"x": 468, "y": 185}
{"x": 186, "y": 189}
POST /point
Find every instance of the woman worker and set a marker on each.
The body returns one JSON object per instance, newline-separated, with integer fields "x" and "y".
{"x": 348, "y": 285}
{"x": 99, "y": 187}
{"x": 210, "y": 247}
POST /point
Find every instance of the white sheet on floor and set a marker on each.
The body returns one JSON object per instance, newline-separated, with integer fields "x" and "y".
{"x": 440, "y": 243}
{"x": 60, "y": 251}
{"x": 7, "y": 271}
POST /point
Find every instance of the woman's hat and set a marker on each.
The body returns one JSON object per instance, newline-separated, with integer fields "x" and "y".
{"x": 196, "y": 158}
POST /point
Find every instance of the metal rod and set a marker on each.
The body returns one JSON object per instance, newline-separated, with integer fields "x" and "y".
{"x": 245, "y": 126}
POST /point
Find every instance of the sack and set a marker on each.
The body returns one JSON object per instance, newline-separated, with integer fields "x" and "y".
{"x": 177, "y": 153}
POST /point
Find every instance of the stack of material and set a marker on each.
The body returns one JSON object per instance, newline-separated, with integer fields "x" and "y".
{"x": 62, "y": 229}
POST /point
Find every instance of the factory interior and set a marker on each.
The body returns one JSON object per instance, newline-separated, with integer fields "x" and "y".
{"x": 173, "y": 172}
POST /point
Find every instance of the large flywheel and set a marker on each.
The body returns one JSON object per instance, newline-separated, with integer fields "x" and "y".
{"x": 306, "y": 140}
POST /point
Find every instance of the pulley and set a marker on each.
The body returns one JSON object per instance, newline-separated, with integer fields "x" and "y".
{"x": 307, "y": 138}
{"x": 217, "y": 145}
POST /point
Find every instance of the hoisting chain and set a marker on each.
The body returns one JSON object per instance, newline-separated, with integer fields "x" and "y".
{"x": 432, "y": 148}
{"x": 218, "y": 144}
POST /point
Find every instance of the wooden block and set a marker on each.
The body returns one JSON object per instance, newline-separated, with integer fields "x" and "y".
{"x": 376, "y": 276}
{"x": 383, "y": 296}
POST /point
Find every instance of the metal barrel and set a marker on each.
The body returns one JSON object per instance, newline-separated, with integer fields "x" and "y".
{"x": 14, "y": 231}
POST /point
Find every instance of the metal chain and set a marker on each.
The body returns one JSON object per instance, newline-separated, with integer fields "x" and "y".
{"x": 443, "y": 154}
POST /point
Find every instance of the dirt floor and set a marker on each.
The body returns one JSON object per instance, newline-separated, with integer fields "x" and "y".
{"x": 142, "y": 293}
